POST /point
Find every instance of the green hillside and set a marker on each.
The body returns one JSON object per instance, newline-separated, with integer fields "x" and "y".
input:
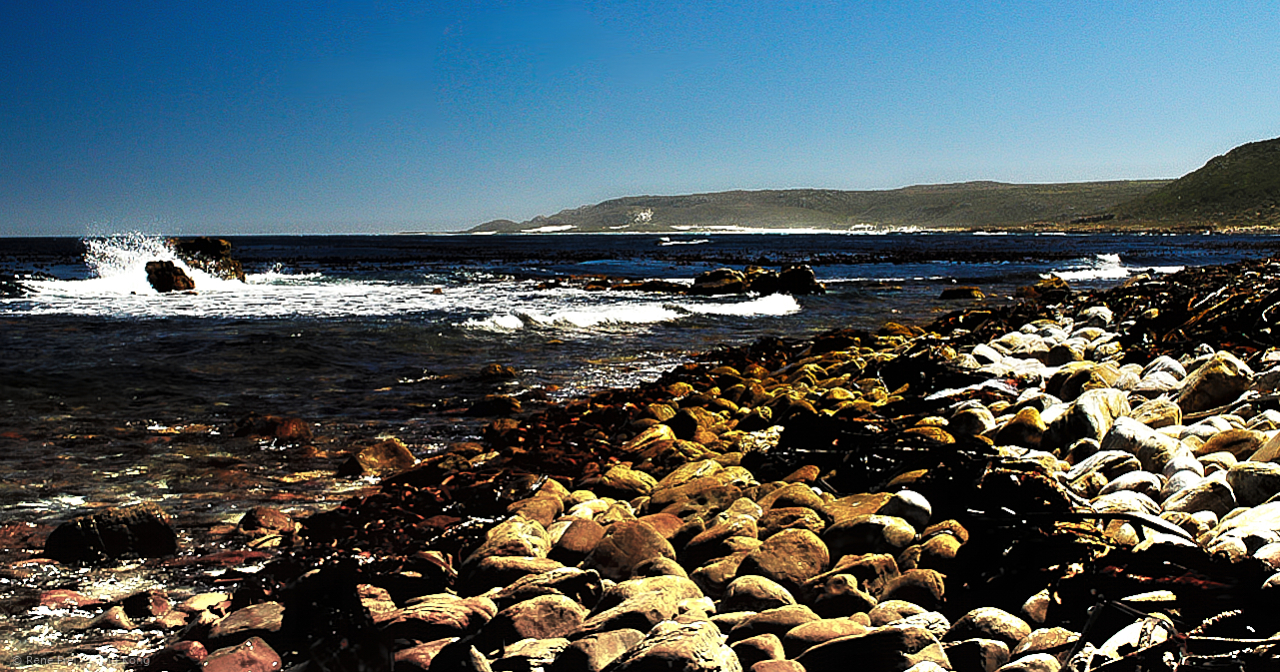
{"x": 965, "y": 205}
{"x": 1241, "y": 187}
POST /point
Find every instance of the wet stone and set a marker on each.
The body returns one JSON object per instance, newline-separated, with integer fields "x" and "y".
{"x": 989, "y": 623}
{"x": 253, "y": 655}
{"x": 683, "y": 646}
{"x": 595, "y": 652}
{"x": 139, "y": 531}
{"x": 754, "y": 593}
{"x": 790, "y": 557}
{"x": 888, "y": 648}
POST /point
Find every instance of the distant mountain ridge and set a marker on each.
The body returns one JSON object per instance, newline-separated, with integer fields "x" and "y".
{"x": 1243, "y": 186}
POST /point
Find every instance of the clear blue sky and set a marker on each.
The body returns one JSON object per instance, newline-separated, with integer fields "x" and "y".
{"x": 248, "y": 117}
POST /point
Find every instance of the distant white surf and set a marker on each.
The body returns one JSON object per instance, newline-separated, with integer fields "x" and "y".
{"x": 1103, "y": 267}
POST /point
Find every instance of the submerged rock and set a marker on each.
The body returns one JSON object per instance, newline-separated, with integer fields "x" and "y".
{"x": 118, "y": 533}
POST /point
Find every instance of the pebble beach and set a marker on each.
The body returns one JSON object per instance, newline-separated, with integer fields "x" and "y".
{"x": 1072, "y": 480}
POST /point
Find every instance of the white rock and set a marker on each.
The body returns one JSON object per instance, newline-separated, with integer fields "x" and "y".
{"x": 1153, "y": 449}
{"x": 1166, "y": 364}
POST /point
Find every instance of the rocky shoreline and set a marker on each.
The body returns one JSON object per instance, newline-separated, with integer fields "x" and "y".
{"x": 1078, "y": 481}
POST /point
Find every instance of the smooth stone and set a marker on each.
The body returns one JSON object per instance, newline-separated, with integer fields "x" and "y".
{"x": 910, "y": 506}
{"x": 1025, "y": 429}
{"x": 384, "y": 457}
{"x": 137, "y": 531}
{"x": 798, "y": 517}
{"x": 1239, "y": 442}
{"x": 573, "y": 539}
{"x": 1179, "y": 481}
{"x": 977, "y": 655}
{"x": 1035, "y": 662}
{"x": 1089, "y": 416}
{"x": 1152, "y": 448}
{"x": 1209, "y": 495}
{"x": 625, "y": 545}
{"x": 252, "y": 655}
{"x": 1214, "y": 462}
{"x": 935, "y": 622}
{"x": 1044, "y": 639}
{"x": 776, "y": 621}
{"x": 790, "y": 557}
{"x": 805, "y": 635}
{"x": 1109, "y": 463}
{"x": 639, "y": 604}
{"x": 1254, "y": 482}
{"x": 936, "y": 552}
{"x": 257, "y": 620}
{"x": 869, "y": 534}
{"x": 1122, "y": 501}
{"x": 840, "y": 595}
{"x": 594, "y": 653}
{"x": 925, "y": 587}
{"x": 1218, "y": 381}
{"x": 659, "y": 566}
{"x": 583, "y": 586}
{"x": 716, "y": 541}
{"x": 1095, "y": 316}
{"x": 623, "y": 482}
{"x": 777, "y": 666}
{"x": 1183, "y": 462}
{"x": 1157, "y": 383}
{"x": 1266, "y": 421}
{"x": 989, "y": 623}
{"x": 680, "y": 646}
{"x": 541, "y": 617}
{"x": 886, "y": 648}
{"x": 759, "y": 648}
{"x": 432, "y": 617}
{"x": 753, "y": 592}
{"x": 889, "y": 612}
{"x": 971, "y": 422}
{"x": 1269, "y": 452}
{"x": 530, "y": 654}
{"x": 1167, "y": 364}
{"x": 1157, "y": 413}
{"x": 515, "y": 536}
{"x": 1143, "y": 482}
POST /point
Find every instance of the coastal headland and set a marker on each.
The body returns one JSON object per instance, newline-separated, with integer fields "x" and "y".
{"x": 1239, "y": 190}
{"x": 1080, "y": 479}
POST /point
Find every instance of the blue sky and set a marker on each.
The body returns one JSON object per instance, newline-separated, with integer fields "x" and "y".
{"x": 231, "y": 117}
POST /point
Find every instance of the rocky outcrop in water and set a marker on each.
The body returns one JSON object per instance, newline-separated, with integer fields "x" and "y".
{"x": 211, "y": 255}
{"x": 165, "y": 276}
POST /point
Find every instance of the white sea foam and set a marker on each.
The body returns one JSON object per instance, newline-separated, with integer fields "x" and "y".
{"x": 773, "y": 304}
{"x": 571, "y": 310}
{"x": 667, "y": 242}
{"x": 1103, "y": 267}
{"x": 551, "y": 228}
{"x": 117, "y": 287}
{"x": 278, "y": 275}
